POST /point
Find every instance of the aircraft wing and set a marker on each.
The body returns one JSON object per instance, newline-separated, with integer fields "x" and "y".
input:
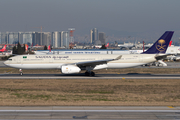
{"x": 96, "y": 62}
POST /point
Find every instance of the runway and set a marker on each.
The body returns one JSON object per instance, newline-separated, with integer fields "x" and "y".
{"x": 91, "y": 112}
{"x": 98, "y": 76}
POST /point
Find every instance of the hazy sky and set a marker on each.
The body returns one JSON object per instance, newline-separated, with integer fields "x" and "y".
{"x": 143, "y": 16}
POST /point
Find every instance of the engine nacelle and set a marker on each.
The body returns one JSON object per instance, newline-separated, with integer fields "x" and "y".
{"x": 103, "y": 66}
{"x": 69, "y": 69}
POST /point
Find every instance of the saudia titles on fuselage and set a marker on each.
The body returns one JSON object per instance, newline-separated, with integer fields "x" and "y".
{"x": 40, "y": 56}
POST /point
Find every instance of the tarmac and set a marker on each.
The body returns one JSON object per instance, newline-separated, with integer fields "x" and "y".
{"x": 97, "y": 76}
{"x": 91, "y": 112}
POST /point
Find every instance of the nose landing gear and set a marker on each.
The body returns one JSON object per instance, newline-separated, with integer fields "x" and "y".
{"x": 21, "y": 72}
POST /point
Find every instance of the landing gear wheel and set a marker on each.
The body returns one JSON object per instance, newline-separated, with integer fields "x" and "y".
{"x": 21, "y": 73}
{"x": 86, "y": 73}
{"x": 92, "y": 74}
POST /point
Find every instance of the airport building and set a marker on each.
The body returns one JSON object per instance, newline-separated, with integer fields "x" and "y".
{"x": 65, "y": 39}
{"x": 46, "y": 38}
{"x": 3, "y": 37}
{"x": 60, "y": 39}
{"x": 56, "y": 39}
{"x": 102, "y": 38}
{"x": 27, "y": 38}
{"x": 13, "y": 38}
{"x": 94, "y": 35}
{"x": 35, "y": 38}
{"x": 97, "y": 38}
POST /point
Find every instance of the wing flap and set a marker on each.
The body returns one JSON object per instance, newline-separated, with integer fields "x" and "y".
{"x": 96, "y": 62}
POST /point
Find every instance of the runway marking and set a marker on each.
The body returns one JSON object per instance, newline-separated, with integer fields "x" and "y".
{"x": 143, "y": 111}
{"x": 73, "y": 77}
{"x": 8, "y": 72}
{"x": 170, "y": 107}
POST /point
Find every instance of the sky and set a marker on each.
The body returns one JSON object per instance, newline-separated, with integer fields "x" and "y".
{"x": 114, "y": 17}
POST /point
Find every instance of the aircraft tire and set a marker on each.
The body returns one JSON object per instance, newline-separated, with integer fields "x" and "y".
{"x": 86, "y": 73}
{"x": 92, "y": 74}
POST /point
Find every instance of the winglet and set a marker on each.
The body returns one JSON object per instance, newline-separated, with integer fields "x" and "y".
{"x": 119, "y": 57}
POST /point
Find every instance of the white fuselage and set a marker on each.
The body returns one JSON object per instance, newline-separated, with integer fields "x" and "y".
{"x": 57, "y": 61}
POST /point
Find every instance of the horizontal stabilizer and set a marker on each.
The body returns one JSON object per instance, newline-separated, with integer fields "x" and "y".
{"x": 160, "y": 57}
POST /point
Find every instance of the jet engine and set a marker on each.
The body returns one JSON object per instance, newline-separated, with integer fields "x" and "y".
{"x": 69, "y": 69}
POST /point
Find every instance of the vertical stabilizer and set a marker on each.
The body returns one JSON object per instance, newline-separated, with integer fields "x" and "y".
{"x": 161, "y": 45}
{"x": 49, "y": 48}
{"x": 4, "y": 48}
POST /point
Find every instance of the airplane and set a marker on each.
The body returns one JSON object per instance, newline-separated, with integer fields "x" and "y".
{"x": 73, "y": 63}
{"x": 3, "y": 49}
{"x": 99, "y": 46}
{"x": 126, "y": 46}
{"x": 49, "y": 48}
{"x": 107, "y": 45}
{"x": 173, "y": 57}
{"x": 26, "y": 47}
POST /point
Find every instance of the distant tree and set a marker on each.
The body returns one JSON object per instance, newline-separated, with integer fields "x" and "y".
{"x": 103, "y": 47}
{"x": 24, "y": 48}
{"x": 19, "y": 45}
{"x": 14, "y": 50}
{"x": 45, "y": 47}
{"x": 18, "y": 49}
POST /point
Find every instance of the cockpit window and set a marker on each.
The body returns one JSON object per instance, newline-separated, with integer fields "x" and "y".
{"x": 10, "y": 59}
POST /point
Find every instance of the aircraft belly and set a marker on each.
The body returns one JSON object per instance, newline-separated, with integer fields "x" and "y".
{"x": 123, "y": 65}
{"x": 35, "y": 66}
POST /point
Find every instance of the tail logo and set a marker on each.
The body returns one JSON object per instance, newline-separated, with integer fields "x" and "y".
{"x": 160, "y": 45}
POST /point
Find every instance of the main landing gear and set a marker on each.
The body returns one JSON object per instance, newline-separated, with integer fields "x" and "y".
{"x": 21, "y": 72}
{"x": 91, "y": 73}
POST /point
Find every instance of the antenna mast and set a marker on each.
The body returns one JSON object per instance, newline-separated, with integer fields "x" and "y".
{"x": 71, "y": 31}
